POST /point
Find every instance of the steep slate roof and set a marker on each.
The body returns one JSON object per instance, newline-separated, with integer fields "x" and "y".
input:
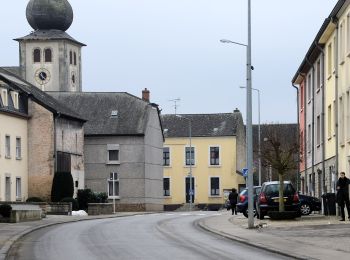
{"x": 96, "y": 107}
{"x": 14, "y": 70}
{"x": 39, "y": 96}
{"x": 203, "y": 125}
{"x": 46, "y": 35}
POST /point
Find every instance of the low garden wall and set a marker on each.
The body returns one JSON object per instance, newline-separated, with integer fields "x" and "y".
{"x": 100, "y": 209}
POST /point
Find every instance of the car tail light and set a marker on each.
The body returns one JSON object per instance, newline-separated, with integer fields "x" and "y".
{"x": 241, "y": 198}
{"x": 296, "y": 197}
{"x": 262, "y": 198}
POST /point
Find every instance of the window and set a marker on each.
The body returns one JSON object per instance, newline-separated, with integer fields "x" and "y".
{"x": 113, "y": 154}
{"x": 348, "y": 115}
{"x": 318, "y": 74}
{"x": 341, "y": 43}
{"x": 166, "y": 187}
{"x": 166, "y": 156}
{"x": 18, "y": 188}
{"x": 309, "y": 87}
{"x": 329, "y": 59}
{"x": 4, "y": 97}
{"x": 309, "y": 138}
{"x": 329, "y": 121}
{"x": 214, "y": 186}
{"x": 348, "y": 32}
{"x": 190, "y": 156}
{"x": 18, "y": 148}
{"x": 75, "y": 58}
{"x": 302, "y": 96}
{"x": 318, "y": 130}
{"x": 48, "y": 55}
{"x": 14, "y": 96}
{"x": 301, "y": 144}
{"x": 341, "y": 121}
{"x": 70, "y": 57}
{"x": 214, "y": 156}
{"x": 7, "y": 146}
{"x": 37, "y": 55}
{"x": 113, "y": 185}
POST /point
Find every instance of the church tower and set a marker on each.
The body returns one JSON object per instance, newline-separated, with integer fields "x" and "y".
{"x": 50, "y": 58}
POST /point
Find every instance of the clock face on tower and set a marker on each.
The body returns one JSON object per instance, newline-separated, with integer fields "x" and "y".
{"x": 42, "y": 76}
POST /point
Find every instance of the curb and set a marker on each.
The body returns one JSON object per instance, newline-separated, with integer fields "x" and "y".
{"x": 11, "y": 241}
{"x": 202, "y": 225}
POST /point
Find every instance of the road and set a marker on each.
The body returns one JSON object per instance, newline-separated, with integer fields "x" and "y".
{"x": 155, "y": 236}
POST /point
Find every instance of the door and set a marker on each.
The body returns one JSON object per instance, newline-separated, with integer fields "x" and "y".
{"x": 8, "y": 189}
{"x": 188, "y": 189}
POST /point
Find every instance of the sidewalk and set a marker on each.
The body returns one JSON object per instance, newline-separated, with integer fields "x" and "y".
{"x": 10, "y": 233}
{"x": 309, "y": 237}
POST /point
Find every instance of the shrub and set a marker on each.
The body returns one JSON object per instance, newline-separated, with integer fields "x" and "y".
{"x": 34, "y": 199}
{"x": 62, "y": 186}
{"x": 84, "y": 197}
{"x": 5, "y": 210}
{"x": 75, "y": 204}
{"x": 101, "y": 197}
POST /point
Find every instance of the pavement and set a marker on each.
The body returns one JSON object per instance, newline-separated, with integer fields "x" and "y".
{"x": 310, "y": 237}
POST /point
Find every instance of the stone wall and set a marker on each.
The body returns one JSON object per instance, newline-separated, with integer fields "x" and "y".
{"x": 100, "y": 209}
{"x": 40, "y": 151}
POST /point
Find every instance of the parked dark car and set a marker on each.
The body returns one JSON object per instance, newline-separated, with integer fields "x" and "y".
{"x": 309, "y": 204}
{"x": 268, "y": 199}
{"x": 242, "y": 204}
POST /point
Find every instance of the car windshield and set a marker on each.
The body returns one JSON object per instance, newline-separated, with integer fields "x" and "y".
{"x": 273, "y": 189}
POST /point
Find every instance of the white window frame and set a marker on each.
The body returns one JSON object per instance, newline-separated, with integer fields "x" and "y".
{"x": 4, "y": 97}
{"x": 330, "y": 60}
{"x": 194, "y": 153}
{"x": 14, "y": 96}
{"x": 209, "y": 159}
{"x": 210, "y": 188}
{"x": 117, "y": 180}
{"x": 18, "y": 148}
{"x": 18, "y": 188}
{"x": 7, "y": 146}
{"x": 113, "y": 147}
{"x": 169, "y": 156}
{"x": 341, "y": 43}
{"x": 167, "y": 196}
{"x": 318, "y": 130}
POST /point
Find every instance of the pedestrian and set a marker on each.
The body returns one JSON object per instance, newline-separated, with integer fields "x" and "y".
{"x": 343, "y": 195}
{"x": 233, "y": 200}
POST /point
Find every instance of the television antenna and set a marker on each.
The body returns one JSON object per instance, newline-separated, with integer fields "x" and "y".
{"x": 176, "y": 105}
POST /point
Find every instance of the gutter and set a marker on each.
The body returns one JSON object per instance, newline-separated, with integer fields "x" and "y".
{"x": 312, "y": 125}
{"x": 298, "y": 141}
{"x": 336, "y": 96}
{"x": 323, "y": 120}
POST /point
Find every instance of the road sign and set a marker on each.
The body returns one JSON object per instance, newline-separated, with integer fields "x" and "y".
{"x": 245, "y": 172}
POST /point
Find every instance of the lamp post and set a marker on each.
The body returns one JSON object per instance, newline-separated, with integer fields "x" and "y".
{"x": 259, "y": 133}
{"x": 190, "y": 175}
{"x": 249, "y": 133}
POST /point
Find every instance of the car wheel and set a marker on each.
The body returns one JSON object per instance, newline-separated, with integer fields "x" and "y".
{"x": 305, "y": 209}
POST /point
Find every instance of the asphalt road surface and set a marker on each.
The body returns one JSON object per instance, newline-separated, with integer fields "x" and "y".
{"x": 155, "y": 236}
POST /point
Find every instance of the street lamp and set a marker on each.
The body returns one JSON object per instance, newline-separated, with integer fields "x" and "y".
{"x": 249, "y": 134}
{"x": 259, "y": 132}
{"x": 190, "y": 175}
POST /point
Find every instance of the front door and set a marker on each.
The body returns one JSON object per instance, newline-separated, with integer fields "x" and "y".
{"x": 8, "y": 189}
{"x": 188, "y": 190}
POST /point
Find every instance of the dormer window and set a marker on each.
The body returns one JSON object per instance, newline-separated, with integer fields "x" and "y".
{"x": 48, "y": 55}
{"x": 4, "y": 97}
{"x": 37, "y": 55}
{"x": 14, "y": 96}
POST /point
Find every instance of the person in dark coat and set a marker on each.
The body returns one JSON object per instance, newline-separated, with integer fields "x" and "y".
{"x": 233, "y": 200}
{"x": 343, "y": 195}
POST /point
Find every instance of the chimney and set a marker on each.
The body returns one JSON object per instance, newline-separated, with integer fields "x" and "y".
{"x": 145, "y": 95}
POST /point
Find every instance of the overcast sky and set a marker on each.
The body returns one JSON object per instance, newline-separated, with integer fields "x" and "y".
{"x": 172, "y": 47}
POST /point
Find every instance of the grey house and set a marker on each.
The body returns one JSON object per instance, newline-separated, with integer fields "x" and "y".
{"x": 124, "y": 143}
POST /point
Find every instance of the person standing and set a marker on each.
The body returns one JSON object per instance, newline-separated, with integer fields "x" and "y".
{"x": 233, "y": 200}
{"x": 343, "y": 195}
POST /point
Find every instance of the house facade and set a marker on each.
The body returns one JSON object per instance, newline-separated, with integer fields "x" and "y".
{"x": 215, "y": 155}
{"x": 324, "y": 73}
{"x": 123, "y": 147}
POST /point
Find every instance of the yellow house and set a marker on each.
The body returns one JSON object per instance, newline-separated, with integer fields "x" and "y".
{"x": 218, "y": 156}
{"x": 13, "y": 146}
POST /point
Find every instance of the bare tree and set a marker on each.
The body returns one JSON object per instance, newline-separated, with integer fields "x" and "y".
{"x": 280, "y": 153}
